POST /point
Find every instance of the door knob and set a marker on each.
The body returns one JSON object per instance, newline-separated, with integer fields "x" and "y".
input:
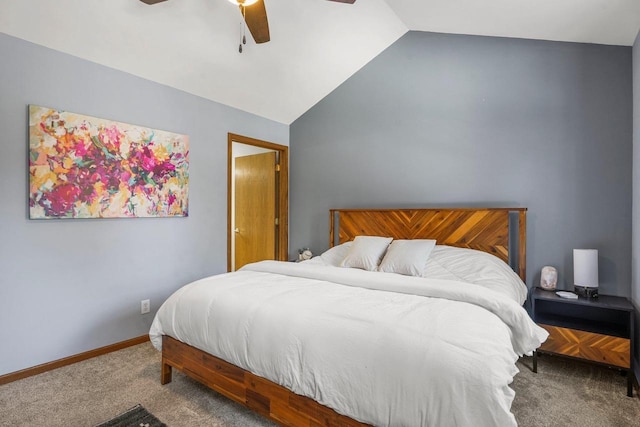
{"x": 236, "y": 230}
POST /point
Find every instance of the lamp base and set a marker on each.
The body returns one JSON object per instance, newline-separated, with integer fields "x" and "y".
{"x": 585, "y": 291}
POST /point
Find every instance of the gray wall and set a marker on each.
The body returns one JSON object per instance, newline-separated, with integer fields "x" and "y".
{"x": 67, "y": 286}
{"x": 450, "y": 120}
{"x": 635, "y": 289}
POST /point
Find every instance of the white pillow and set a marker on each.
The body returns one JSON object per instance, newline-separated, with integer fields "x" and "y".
{"x": 366, "y": 252}
{"x": 336, "y": 254}
{"x": 407, "y": 257}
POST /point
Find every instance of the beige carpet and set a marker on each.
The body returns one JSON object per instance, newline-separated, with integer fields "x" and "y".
{"x": 568, "y": 393}
{"x": 93, "y": 391}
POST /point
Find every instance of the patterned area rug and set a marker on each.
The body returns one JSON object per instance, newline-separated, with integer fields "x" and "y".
{"x": 134, "y": 417}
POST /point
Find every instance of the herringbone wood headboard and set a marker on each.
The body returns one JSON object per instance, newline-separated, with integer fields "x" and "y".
{"x": 484, "y": 229}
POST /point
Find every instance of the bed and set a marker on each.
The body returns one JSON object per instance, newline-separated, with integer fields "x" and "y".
{"x": 318, "y": 344}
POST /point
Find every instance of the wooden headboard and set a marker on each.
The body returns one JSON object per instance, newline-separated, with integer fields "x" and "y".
{"x": 484, "y": 229}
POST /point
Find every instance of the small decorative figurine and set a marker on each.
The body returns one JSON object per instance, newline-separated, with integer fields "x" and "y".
{"x": 548, "y": 278}
{"x": 304, "y": 254}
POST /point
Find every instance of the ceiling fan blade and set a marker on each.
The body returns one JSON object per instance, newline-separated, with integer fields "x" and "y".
{"x": 256, "y": 18}
{"x": 345, "y": 1}
{"x": 152, "y": 1}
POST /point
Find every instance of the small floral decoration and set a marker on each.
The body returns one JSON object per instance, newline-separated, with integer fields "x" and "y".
{"x": 86, "y": 167}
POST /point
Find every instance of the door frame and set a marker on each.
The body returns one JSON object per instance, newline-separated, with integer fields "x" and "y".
{"x": 282, "y": 236}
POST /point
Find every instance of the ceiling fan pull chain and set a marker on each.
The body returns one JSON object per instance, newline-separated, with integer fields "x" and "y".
{"x": 243, "y": 37}
{"x": 244, "y": 26}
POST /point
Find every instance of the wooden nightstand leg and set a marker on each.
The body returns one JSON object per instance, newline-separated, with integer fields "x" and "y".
{"x": 535, "y": 362}
{"x": 630, "y": 383}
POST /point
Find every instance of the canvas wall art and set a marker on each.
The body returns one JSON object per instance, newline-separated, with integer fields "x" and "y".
{"x": 86, "y": 167}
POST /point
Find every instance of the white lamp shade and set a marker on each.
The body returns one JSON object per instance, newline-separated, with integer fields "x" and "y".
{"x": 585, "y": 267}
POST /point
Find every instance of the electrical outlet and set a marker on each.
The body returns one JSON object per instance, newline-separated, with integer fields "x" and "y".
{"x": 145, "y": 306}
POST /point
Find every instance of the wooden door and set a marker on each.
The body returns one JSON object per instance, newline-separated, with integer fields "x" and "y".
{"x": 255, "y": 208}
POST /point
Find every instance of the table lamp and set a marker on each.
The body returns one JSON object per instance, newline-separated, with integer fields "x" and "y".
{"x": 585, "y": 272}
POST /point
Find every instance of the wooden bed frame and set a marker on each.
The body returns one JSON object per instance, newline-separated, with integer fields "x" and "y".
{"x": 485, "y": 229}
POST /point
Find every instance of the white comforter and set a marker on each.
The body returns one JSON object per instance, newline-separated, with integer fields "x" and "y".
{"x": 381, "y": 348}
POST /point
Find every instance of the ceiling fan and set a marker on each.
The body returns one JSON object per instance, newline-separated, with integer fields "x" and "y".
{"x": 255, "y": 16}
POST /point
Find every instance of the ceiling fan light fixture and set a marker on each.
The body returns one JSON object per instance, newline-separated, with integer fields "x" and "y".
{"x": 243, "y": 2}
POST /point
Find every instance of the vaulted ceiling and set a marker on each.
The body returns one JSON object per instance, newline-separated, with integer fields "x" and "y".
{"x": 192, "y": 45}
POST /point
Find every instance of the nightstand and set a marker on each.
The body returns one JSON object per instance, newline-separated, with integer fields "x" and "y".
{"x": 597, "y": 330}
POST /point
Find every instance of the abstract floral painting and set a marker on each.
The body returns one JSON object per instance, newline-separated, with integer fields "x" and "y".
{"x": 86, "y": 167}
